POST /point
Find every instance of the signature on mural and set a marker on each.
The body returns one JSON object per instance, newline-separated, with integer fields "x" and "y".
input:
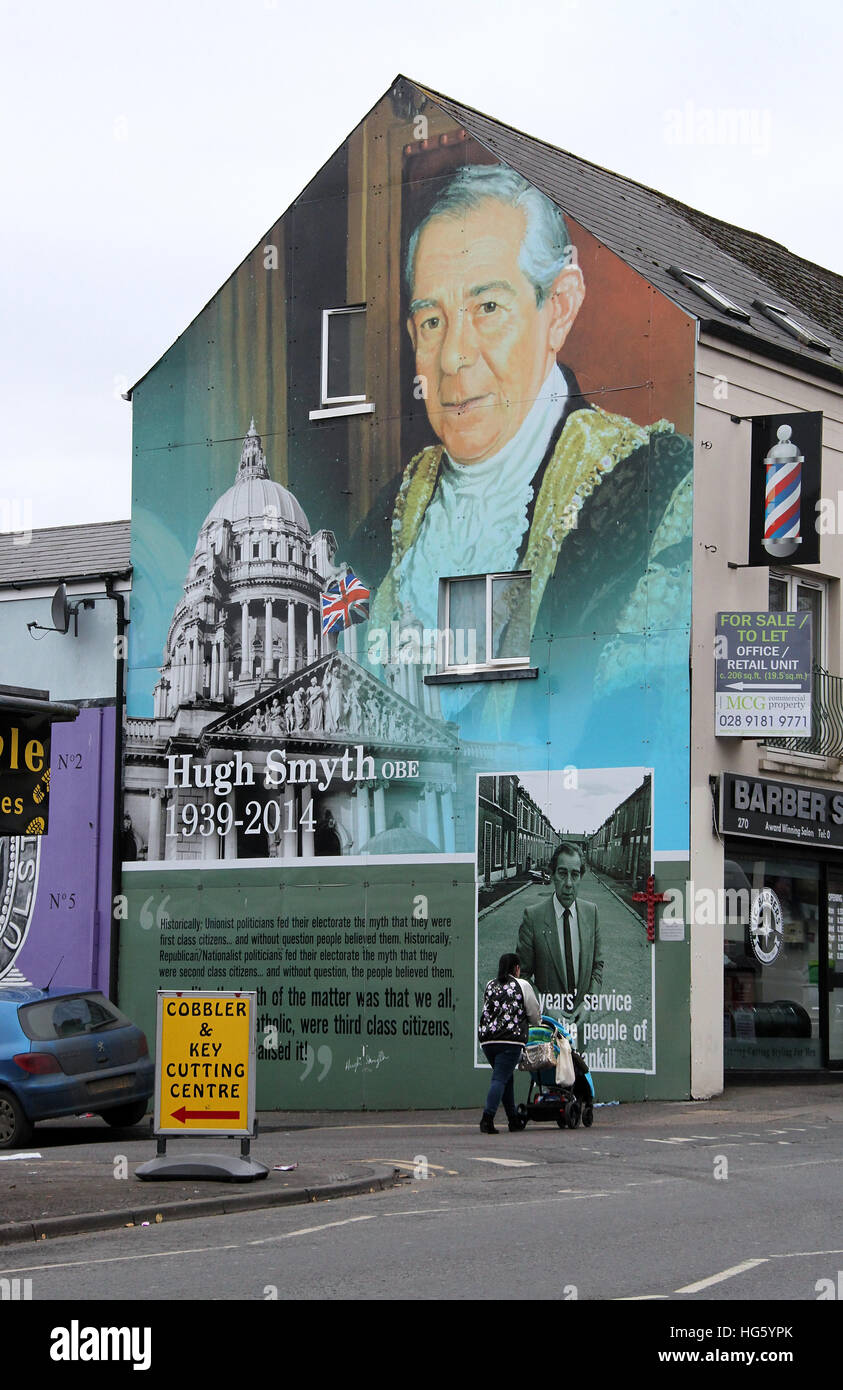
{"x": 367, "y": 1062}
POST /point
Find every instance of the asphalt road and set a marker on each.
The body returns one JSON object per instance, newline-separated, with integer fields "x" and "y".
{"x": 731, "y": 1200}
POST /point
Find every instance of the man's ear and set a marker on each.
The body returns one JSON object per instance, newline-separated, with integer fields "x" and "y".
{"x": 564, "y": 303}
{"x": 411, "y": 329}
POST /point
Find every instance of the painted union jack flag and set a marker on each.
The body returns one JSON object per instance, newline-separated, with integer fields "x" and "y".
{"x": 344, "y": 603}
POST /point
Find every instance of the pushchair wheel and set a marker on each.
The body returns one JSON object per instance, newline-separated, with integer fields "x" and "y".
{"x": 572, "y": 1114}
{"x": 588, "y": 1116}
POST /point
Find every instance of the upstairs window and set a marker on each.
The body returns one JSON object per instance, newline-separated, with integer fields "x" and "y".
{"x": 794, "y": 593}
{"x": 486, "y": 622}
{"x": 342, "y": 376}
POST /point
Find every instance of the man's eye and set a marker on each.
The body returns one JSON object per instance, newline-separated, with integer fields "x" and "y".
{"x": 431, "y": 323}
{"x": 489, "y": 307}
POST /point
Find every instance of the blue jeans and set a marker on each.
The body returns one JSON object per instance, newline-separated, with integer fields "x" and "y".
{"x": 504, "y": 1060}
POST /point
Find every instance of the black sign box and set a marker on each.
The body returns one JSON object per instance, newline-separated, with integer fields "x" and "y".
{"x": 24, "y": 774}
{"x": 784, "y": 493}
{"x": 768, "y": 810}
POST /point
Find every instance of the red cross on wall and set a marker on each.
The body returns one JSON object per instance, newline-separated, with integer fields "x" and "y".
{"x": 651, "y": 897}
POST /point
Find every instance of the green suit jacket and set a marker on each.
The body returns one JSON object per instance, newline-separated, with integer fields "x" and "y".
{"x": 541, "y": 956}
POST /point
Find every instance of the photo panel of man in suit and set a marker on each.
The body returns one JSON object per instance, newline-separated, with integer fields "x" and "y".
{"x": 559, "y": 940}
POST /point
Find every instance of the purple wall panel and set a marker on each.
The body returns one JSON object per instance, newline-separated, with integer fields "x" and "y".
{"x": 72, "y": 912}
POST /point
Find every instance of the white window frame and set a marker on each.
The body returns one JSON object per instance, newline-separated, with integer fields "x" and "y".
{"x": 700, "y": 286}
{"x": 499, "y": 663}
{"x": 332, "y": 406}
{"x": 793, "y": 580}
{"x": 776, "y": 314}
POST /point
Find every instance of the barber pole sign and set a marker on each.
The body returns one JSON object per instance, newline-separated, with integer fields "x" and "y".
{"x": 785, "y": 489}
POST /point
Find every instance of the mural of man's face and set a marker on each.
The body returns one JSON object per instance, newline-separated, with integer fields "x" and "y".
{"x": 482, "y": 345}
{"x": 566, "y": 878}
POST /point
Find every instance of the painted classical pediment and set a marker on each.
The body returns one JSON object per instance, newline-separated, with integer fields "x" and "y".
{"x": 332, "y": 700}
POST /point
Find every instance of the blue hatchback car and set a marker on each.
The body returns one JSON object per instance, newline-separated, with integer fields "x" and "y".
{"x": 68, "y": 1052}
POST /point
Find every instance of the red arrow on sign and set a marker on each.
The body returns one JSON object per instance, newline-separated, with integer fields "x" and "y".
{"x": 184, "y": 1114}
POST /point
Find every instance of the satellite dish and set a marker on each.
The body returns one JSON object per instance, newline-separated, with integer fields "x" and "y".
{"x": 59, "y": 609}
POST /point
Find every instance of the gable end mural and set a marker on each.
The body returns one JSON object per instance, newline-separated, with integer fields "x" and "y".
{"x": 411, "y": 608}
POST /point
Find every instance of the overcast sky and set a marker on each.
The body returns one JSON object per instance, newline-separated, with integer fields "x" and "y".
{"x": 147, "y": 148}
{"x": 582, "y": 808}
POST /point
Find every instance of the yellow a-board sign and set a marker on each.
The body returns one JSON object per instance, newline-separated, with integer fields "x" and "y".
{"x": 205, "y": 1063}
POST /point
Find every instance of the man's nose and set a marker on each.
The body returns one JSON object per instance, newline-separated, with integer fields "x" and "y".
{"x": 457, "y": 345}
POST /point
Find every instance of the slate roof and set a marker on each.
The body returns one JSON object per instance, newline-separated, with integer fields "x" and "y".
{"x": 651, "y": 232}
{"x": 64, "y": 553}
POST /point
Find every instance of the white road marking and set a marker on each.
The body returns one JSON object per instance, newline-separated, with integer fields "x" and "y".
{"x": 505, "y": 1162}
{"x": 309, "y": 1230}
{"x": 691, "y": 1139}
{"x": 722, "y": 1276}
{"x": 648, "y": 1182}
{"x": 117, "y": 1259}
{"x": 402, "y": 1163}
{"x": 804, "y": 1254}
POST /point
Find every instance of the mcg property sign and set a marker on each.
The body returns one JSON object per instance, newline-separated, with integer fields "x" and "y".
{"x": 762, "y": 675}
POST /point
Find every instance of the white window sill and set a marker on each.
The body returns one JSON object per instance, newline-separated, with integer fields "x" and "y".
{"x": 489, "y": 673}
{"x": 330, "y": 412}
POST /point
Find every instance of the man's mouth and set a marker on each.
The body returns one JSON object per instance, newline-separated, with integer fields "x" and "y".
{"x": 465, "y": 407}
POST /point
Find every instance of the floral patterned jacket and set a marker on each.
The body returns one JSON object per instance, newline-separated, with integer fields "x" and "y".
{"x": 504, "y": 1016}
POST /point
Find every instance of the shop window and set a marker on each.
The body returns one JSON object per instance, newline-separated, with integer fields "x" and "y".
{"x": 342, "y": 373}
{"x": 772, "y": 937}
{"x": 485, "y": 627}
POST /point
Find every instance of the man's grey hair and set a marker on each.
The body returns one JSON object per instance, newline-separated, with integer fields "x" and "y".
{"x": 546, "y": 249}
{"x": 566, "y": 848}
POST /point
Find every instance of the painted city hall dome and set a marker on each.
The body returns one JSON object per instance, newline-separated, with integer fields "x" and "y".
{"x": 254, "y": 496}
{"x": 250, "y": 609}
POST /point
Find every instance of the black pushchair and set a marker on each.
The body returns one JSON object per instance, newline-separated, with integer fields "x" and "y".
{"x": 548, "y": 1099}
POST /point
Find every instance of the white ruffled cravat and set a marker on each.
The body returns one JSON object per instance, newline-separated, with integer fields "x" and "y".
{"x": 477, "y": 517}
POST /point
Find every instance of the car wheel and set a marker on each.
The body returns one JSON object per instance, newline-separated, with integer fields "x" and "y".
{"x": 15, "y": 1128}
{"x": 122, "y": 1116}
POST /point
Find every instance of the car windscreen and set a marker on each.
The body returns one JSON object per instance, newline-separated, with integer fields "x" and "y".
{"x": 70, "y": 1016}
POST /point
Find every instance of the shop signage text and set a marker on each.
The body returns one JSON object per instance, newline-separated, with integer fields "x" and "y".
{"x": 205, "y": 1063}
{"x": 767, "y": 810}
{"x": 762, "y": 675}
{"x": 24, "y": 774}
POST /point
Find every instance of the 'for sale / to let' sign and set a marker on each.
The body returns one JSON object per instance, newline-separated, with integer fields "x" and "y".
{"x": 205, "y": 1063}
{"x": 762, "y": 675}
